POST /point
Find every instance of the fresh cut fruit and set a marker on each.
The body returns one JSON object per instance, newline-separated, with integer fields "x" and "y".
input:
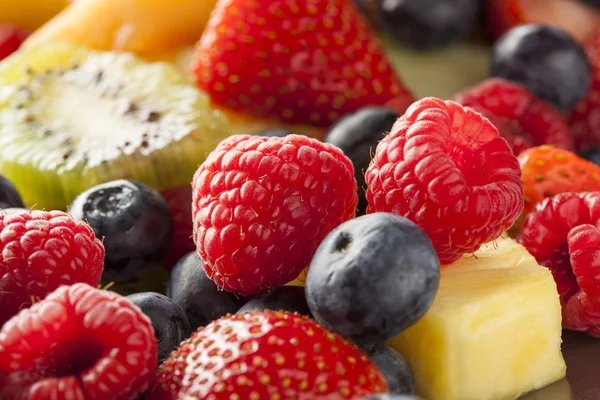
{"x": 493, "y": 332}
{"x": 300, "y": 62}
{"x": 30, "y": 14}
{"x": 144, "y": 27}
{"x": 72, "y": 118}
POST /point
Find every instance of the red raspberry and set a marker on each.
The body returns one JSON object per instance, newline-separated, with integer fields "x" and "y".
{"x": 562, "y": 234}
{"x": 40, "y": 251}
{"x": 584, "y": 120}
{"x": 521, "y": 118}
{"x": 179, "y": 200}
{"x": 262, "y": 205}
{"x": 267, "y": 355}
{"x": 444, "y": 167}
{"x": 78, "y": 343}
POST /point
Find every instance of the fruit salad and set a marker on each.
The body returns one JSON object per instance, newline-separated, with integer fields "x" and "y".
{"x": 299, "y": 199}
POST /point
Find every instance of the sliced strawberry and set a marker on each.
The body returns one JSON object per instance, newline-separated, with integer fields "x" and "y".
{"x": 585, "y": 118}
{"x": 575, "y": 17}
{"x": 300, "y": 61}
{"x": 11, "y": 38}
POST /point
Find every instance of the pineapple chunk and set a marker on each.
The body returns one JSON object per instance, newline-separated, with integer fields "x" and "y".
{"x": 493, "y": 332}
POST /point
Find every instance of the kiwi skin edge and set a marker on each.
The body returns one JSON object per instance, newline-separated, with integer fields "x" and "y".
{"x": 55, "y": 141}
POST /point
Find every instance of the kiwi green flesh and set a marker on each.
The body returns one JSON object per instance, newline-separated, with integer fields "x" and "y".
{"x": 109, "y": 117}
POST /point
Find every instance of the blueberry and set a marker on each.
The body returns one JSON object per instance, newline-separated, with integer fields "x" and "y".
{"x": 373, "y": 277}
{"x": 198, "y": 296}
{"x": 429, "y": 24}
{"x": 134, "y": 222}
{"x": 394, "y": 367}
{"x": 286, "y": 298}
{"x": 592, "y": 155}
{"x": 357, "y": 135}
{"x": 546, "y": 60}
{"x": 274, "y": 133}
{"x": 9, "y": 195}
{"x": 171, "y": 327}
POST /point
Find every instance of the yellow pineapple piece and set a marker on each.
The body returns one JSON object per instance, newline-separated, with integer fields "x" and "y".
{"x": 493, "y": 332}
{"x": 148, "y": 28}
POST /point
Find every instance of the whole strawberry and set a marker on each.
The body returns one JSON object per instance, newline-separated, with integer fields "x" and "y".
{"x": 40, "y": 251}
{"x": 300, "y": 61}
{"x": 445, "y": 167}
{"x": 267, "y": 355}
{"x": 547, "y": 171}
{"x": 262, "y": 205}
{"x": 563, "y": 235}
{"x": 77, "y": 343}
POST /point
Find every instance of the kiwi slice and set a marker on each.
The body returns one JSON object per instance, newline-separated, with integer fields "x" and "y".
{"x": 71, "y": 119}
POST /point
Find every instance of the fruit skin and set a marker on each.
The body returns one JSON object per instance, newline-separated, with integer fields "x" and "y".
{"x": 546, "y": 60}
{"x": 521, "y": 118}
{"x": 134, "y": 222}
{"x": 244, "y": 354}
{"x": 179, "y": 201}
{"x": 429, "y": 24}
{"x": 148, "y": 28}
{"x": 582, "y": 120}
{"x": 262, "y": 205}
{"x": 90, "y": 155}
{"x": 30, "y": 14}
{"x": 40, "y": 251}
{"x": 79, "y": 342}
{"x": 9, "y": 195}
{"x": 493, "y": 312}
{"x": 198, "y": 296}
{"x": 562, "y": 234}
{"x": 169, "y": 322}
{"x": 305, "y": 61}
{"x": 394, "y": 367}
{"x": 11, "y": 38}
{"x": 283, "y": 298}
{"x": 578, "y": 19}
{"x": 357, "y": 135}
{"x": 547, "y": 171}
{"x": 373, "y": 277}
{"x": 475, "y": 188}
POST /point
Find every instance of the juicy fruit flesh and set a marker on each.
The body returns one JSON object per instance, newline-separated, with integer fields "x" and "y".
{"x": 133, "y": 120}
{"x": 493, "y": 332}
{"x": 144, "y": 27}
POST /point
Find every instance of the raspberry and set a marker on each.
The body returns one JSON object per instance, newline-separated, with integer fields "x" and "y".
{"x": 267, "y": 355}
{"x": 444, "y": 167}
{"x": 584, "y": 121}
{"x": 40, "y": 251}
{"x": 562, "y": 234}
{"x": 77, "y": 343}
{"x": 521, "y": 118}
{"x": 262, "y": 205}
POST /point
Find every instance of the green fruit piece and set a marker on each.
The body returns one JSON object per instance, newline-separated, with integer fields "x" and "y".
{"x": 71, "y": 119}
